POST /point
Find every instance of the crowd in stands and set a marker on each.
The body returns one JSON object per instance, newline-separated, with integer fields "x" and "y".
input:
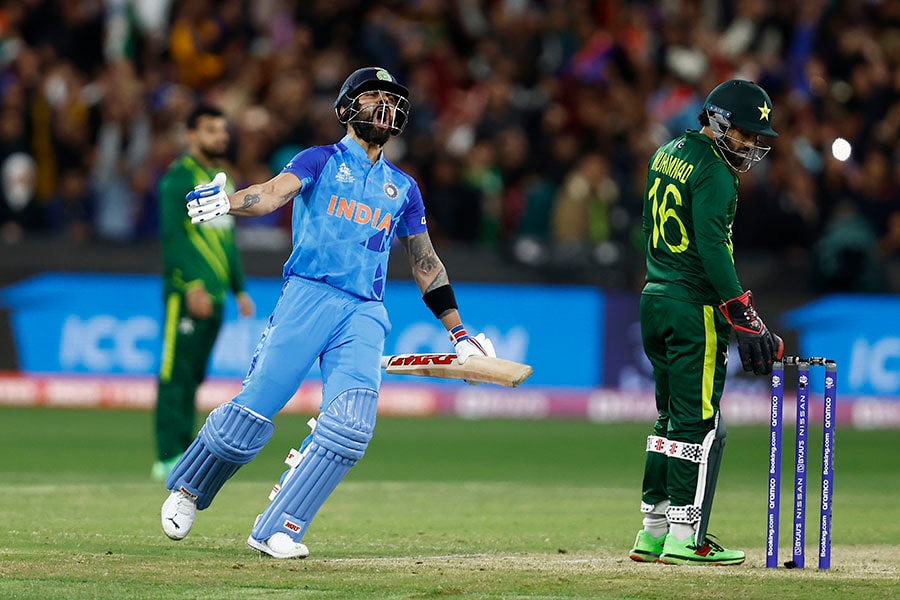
{"x": 531, "y": 127}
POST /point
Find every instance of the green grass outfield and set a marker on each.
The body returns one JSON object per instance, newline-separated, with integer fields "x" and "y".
{"x": 438, "y": 509}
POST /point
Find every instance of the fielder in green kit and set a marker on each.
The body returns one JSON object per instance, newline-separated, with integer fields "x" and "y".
{"x": 691, "y": 302}
{"x": 201, "y": 264}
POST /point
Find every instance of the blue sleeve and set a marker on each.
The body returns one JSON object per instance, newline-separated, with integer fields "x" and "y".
{"x": 308, "y": 164}
{"x": 412, "y": 220}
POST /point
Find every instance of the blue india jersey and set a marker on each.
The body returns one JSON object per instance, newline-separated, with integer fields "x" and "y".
{"x": 346, "y": 216}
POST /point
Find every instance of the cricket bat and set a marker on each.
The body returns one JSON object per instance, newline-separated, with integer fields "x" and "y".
{"x": 477, "y": 369}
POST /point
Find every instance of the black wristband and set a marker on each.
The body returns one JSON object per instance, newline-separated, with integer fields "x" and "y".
{"x": 440, "y": 300}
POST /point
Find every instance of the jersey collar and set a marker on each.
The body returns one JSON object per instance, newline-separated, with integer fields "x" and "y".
{"x": 356, "y": 150}
{"x": 695, "y": 134}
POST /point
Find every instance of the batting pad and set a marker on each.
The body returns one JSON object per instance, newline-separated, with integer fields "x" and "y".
{"x": 339, "y": 440}
{"x": 231, "y": 437}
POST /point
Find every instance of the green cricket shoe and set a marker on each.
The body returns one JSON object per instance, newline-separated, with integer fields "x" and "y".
{"x": 162, "y": 468}
{"x": 710, "y": 553}
{"x": 646, "y": 547}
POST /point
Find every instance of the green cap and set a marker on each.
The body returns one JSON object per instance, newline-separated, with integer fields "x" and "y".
{"x": 745, "y": 105}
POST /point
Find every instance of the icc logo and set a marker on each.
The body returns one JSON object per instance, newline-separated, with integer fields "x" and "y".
{"x": 829, "y": 383}
{"x": 776, "y": 381}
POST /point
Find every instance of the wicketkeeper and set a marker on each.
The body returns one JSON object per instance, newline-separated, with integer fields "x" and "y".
{"x": 690, "y": 304}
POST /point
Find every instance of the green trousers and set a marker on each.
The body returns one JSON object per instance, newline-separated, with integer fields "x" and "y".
{"x": 187, "y": 345}
{"x": 687, "y": 344}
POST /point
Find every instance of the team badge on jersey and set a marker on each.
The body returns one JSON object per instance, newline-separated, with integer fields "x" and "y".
{"x": 391, "y": 191}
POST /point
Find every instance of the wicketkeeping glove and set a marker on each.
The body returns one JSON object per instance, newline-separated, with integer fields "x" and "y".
{"x": 208, "y": 201}
{"x": 758, "y": 346}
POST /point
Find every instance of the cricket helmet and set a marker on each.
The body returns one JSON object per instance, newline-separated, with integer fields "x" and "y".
{"x": 743, "y": 105}
{"x": 370, "y": 79}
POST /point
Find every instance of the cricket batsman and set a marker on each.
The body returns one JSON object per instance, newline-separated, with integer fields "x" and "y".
{"x": 349, "y": 203}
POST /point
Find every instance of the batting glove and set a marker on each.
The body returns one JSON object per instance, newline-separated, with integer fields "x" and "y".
{"x": 758, "y": 346}
{"x": 467, "y": 346}
{"x": 208, "y": 201}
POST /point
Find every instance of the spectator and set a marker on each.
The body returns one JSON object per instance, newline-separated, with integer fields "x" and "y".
{"x": 453, "y": 208}
{"x": 586, "y": 213}
{"x": 18, "y": 211}
{"x": 845, "y": 258}
{"x": 92, "y": 86}
{"x": 123, "y": 146}
{"x": 480, "y": 172}
{"x": 196, "y": 42}
{"x": 71, "y": 210}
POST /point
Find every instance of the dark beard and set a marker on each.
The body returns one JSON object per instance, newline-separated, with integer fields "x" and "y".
{"x": 211, "y": 155}
{"x": 371, "y": 134}
{"x": 734, "y": 159}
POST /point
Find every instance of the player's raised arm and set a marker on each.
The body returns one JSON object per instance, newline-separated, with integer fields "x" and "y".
{"x": 208, "y": 201}
{"x": 263, "y": 198}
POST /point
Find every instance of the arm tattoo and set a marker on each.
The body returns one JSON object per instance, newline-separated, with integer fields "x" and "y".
{"x": 425, "y": 261}
{"x": 439, "y": 280}
{"x": 287, "y": 197}
{"x": 250, "y": 200}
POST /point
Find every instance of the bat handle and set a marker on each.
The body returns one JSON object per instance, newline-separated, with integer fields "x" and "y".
{"x": 385, "y": 361}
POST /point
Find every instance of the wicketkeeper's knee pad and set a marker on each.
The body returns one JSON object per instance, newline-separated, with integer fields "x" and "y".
{"x": 339, "y": 440}
{"x": 231, "y": 437}
{"x": 708, "y": 455}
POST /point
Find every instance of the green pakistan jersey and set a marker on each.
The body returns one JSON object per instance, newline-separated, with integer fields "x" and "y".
{"x": 689, "y": 207}
{"x": 192, "y": 254}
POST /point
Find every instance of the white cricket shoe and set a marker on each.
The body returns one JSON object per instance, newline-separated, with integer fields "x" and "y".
{"x": 178, "y": 513}
{"x": 279, "y": 545}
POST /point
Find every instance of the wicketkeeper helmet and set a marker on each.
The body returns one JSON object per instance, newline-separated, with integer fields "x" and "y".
{"x": 745, "y": 106}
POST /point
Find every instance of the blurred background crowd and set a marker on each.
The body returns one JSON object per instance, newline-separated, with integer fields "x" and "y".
{"x": 531, "y": 127}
